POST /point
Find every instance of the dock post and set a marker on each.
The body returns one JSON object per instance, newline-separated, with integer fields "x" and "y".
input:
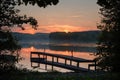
{"x": 38, "y": 64}
{"x": 43, "y": 54}
{"x": 45, "y": 66}
{"x": 77, "y": 64}
{"x": 70, "y": 62}
{"x": 39, "y": 58}
{"x": 46, "y": 61}
{"x": 65, "y": 61}
{"x": 31, "y": 64}
{"x": 52, "y": 59}
{"x": 52, "y": 67}
{"x": 57, "y": 59}
{"x": 89, "y": 67}
{"x": 72, "y": 53}
{"x": 52, "y": 62}
{"x": 39, "y": 55}
{"x": 95, "y": 65}
{"x": 46, "y": 57}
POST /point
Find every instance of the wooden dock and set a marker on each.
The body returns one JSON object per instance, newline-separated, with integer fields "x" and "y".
{"x": 43, "y": 58}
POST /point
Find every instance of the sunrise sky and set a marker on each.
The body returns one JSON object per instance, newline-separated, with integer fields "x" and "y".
{"x": 67, "y": 15}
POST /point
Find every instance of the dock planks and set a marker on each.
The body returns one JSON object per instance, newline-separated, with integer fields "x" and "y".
{"x": 62, "y": 65}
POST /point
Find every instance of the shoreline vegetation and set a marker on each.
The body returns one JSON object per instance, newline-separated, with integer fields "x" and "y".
{"x": 24, "y": 74}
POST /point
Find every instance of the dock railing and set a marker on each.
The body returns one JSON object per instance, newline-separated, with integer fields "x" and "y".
{"x": 43, "y": 58}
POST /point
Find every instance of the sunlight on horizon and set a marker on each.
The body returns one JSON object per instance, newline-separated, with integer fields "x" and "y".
{"x": 71, "y": 15}
{"x": 54, "y": 28}
{"x": 66, "y": 31}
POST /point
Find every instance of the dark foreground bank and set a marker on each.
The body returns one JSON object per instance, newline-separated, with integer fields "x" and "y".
{"x": 30, "y": 75}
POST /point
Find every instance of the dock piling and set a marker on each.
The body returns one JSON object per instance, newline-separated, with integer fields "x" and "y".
{"x": 55, "y": 61}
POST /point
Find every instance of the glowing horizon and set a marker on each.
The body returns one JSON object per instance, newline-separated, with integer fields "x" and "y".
{"x": 72, "y": 15}
{"x": 49, "y": 29}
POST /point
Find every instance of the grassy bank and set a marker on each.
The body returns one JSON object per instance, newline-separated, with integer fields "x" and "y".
{"x": 30, "y": 75}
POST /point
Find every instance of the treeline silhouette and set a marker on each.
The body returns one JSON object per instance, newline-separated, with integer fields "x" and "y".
{"x": 86, "y": 36}
{"x": 31, "y": 37}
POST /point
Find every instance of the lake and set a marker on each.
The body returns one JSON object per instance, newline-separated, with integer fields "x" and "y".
{"x": 81, "y": 50}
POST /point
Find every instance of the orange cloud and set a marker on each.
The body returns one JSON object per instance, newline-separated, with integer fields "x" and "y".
{"x": 54, "y": 28}
{"x": 62, "y": 28}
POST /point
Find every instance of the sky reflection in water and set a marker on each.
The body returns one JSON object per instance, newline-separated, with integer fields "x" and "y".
{"x": 79, "y": 50}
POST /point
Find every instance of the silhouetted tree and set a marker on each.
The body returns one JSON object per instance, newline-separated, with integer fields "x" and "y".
{"x": 8, "y": 44}
{"x": 9, "y": 17}
{"x": 108, "y": 55}
{"x": 40, "y": 3}
{"x": 8, "y": 51}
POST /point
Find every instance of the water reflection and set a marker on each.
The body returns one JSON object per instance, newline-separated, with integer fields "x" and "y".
{"x": 76, "y": 50}
{"x": 83, "y": 47}
{"x": 72, "y": 48}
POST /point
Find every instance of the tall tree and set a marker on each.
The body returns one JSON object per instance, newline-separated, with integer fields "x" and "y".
{"x": 8, "y": 44}
{"x": 9, "y": 17}
{"x": 108, "y": 54}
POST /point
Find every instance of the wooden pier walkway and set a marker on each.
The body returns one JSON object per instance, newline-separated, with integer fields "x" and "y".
{"x": 43, "y": 58}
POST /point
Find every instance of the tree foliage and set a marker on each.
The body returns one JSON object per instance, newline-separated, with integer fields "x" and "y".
{"x": 40, "y": 3}
{"x": 108, "y": 54}
{"x": 8, "y": 51}
{"x": 9, "y": 47}
{"x": 9, "y": 17}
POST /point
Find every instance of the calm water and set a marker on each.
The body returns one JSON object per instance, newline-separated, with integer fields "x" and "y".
{"x": 81, "y": 50}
